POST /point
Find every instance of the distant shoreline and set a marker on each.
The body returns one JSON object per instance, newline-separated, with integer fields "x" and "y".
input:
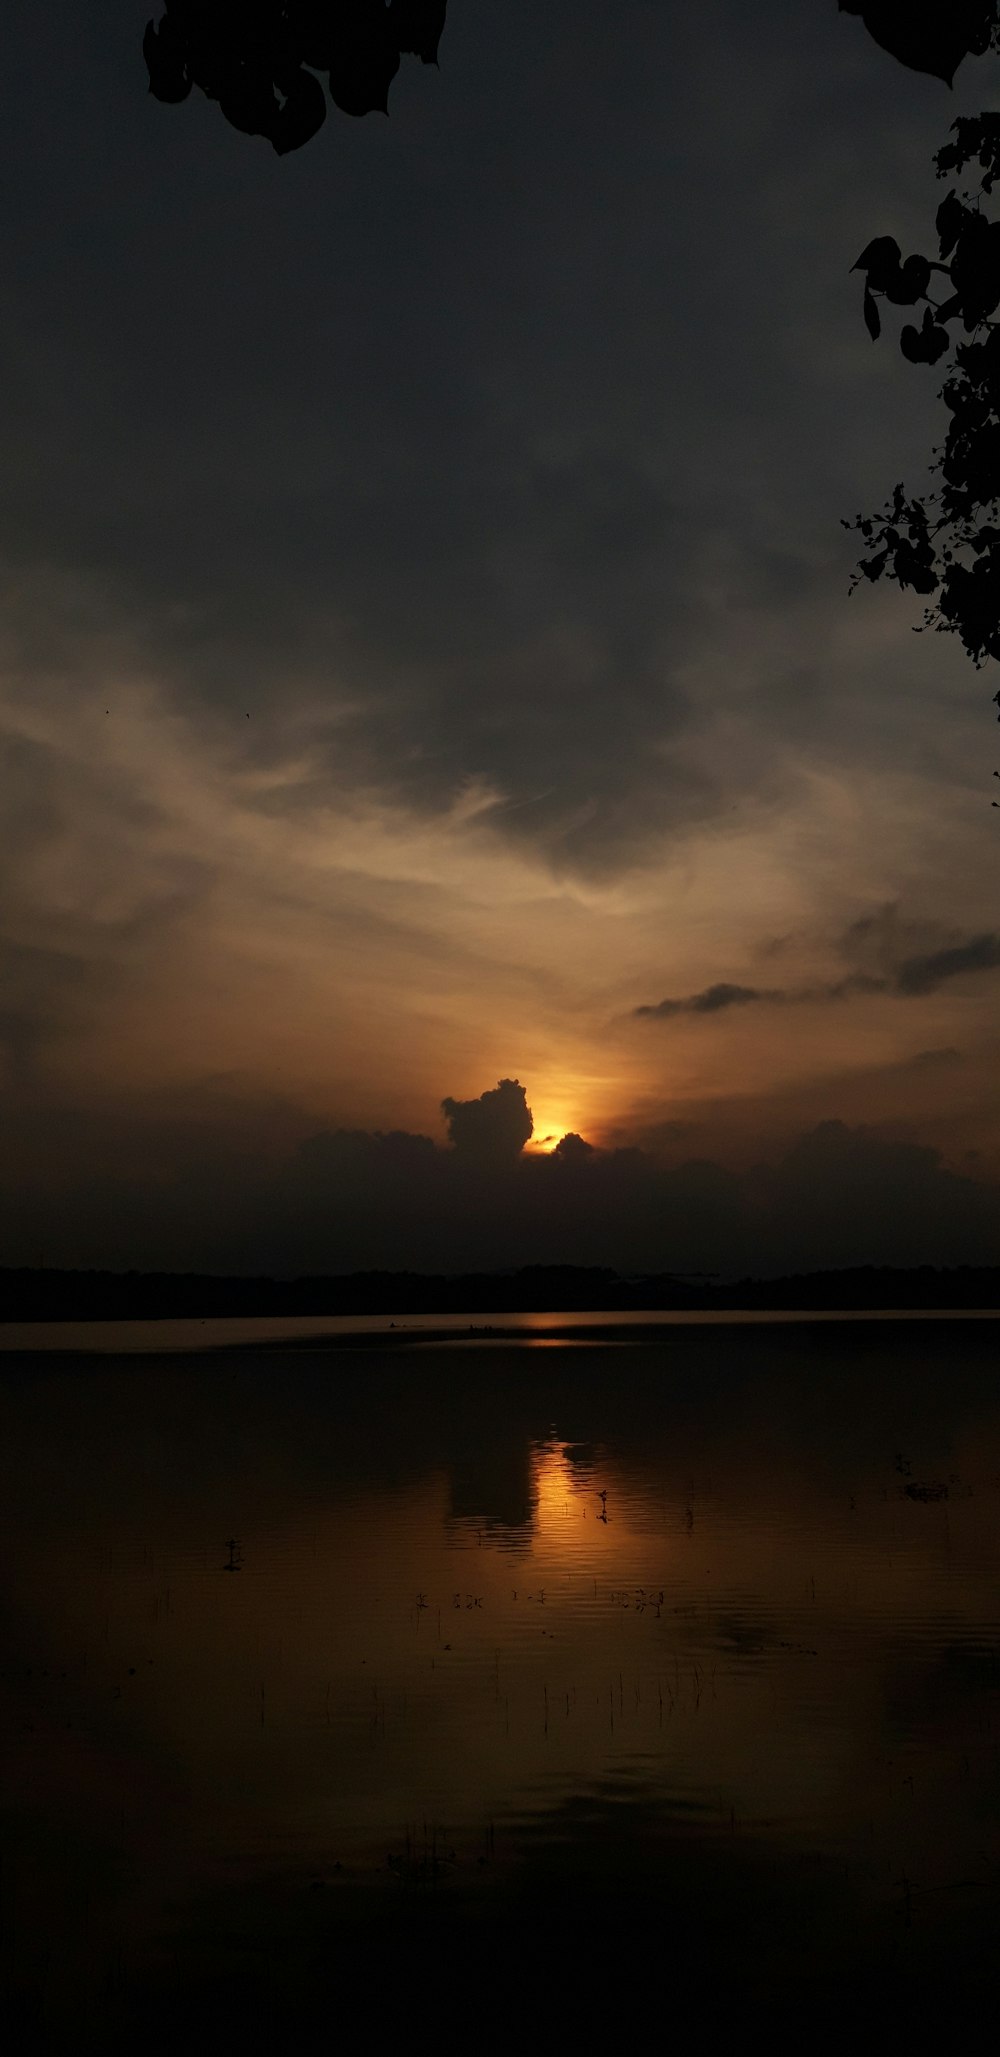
{"x": 302, "y": 1335}
{"x": 42, "y": 1296}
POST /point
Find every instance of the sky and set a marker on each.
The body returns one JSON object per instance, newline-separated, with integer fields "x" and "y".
{"x": 428, "y": 661}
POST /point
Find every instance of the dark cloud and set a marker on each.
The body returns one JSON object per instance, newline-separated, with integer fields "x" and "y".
{"x": 878, "y": 935}
{"x": 573, "y": 1149}
{"x": 527, "y": 501}
{"x": 714, "y": 1000}
{"x": 349, "y": 1199}
{"x": 718, "y": 998}
{"x": 842, "y": 1190}
{"x": 45, "y": 994}
{"x": 493, "y": 1128}
{"x": 925, "y": 974}
{"x": 847, "y": 988}
{"x": 359, "y": 1154}
{"x": 913, "y": 957}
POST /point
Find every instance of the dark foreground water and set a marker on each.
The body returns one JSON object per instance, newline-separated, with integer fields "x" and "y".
{"x": 613, "y": 1691}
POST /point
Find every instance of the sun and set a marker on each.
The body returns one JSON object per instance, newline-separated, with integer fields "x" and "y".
{"x": 552, "y": 1122}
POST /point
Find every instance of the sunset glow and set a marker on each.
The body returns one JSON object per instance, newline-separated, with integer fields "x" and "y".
{"x": 495, "y": 709}
{"x": 552, "y": 1122}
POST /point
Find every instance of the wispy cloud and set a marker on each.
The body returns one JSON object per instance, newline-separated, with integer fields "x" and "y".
{"x": 912, "y": 977}
{"x": 715, "y": 999}
{"x": 925, "y": 974}
{"x": 719, "y": 998}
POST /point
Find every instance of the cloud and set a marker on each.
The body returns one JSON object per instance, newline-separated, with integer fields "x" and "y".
{"x": 925, "y": 974}
{"x": 842, "y": 1191}
{"x": 437, "y": 481}
{"x": 493, "y": 1128}
{"x": 573, "y": 1149}
{"x": 44, "y": 995}
{"x": 877, "y": 937}
{"x": 719, "y": 998}
{"x": 714, "y": 1000}
{"x": 346, "y": 1199}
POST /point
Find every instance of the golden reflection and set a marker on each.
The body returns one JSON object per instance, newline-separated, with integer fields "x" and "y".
{"x": 555, "y": 1484}
{"x": 584, "y": 1515}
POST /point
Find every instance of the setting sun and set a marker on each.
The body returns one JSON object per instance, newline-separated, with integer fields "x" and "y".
{"x": 552, "y": 1122}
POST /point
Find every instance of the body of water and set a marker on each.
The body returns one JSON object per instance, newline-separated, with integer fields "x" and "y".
{"x": 500, "y": 1689}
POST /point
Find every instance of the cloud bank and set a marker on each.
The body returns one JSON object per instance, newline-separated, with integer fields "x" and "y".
{"x": 349, "y": 1199}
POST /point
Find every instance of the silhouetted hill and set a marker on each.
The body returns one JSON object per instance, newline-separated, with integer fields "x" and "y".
{"x": 36, "y": 1295}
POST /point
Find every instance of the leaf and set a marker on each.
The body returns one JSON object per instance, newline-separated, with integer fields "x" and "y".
{"x": 919, "y": 36}
{"x": 252, "y": 57}
{"x": 924, "y": 345}
{"x": 949, "y": 222}
{"x": 250, "y": 103}
{"x": 418, "y": 26}
{"x": 910, "y": 282}
{"x": 303, "y": 113}
{"x": 914, "y": 567}
{"x": 881, "y": 256}
{"x": 364, "y": 67}
{"x": 169, "y": 79}
{"x": 872, "y": 320}
{"x": 975, "y": 269}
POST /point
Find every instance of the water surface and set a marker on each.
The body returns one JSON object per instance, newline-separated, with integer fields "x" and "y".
{"x": 358, "y": 1669}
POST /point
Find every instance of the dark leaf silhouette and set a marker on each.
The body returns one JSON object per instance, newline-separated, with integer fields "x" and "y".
{"x": 948, "y": 223}
{"x": 880, "y": 260}
{"x": 885, "y": 273}
{"x": 945, "y": 545}
{"x": 260, "y": 60}
{"x": 251, "y": 103}
{"x": 975, "y": 268}
{"x": 910, "y": 283}
{"x": 364, "y": 62}
{"x": 419, "y": 26}
{"x": 169, "y": 78}
{"x": 977, "y": 140}
{"x": 927, "y": 344}
{"x": 303, "y": 113}
{"x": 925, "y": 36}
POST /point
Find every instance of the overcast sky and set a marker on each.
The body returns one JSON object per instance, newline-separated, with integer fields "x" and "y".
{"x": 428, "y": 660}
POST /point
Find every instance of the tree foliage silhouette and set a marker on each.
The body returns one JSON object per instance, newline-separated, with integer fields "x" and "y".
{"x": 945, "y": 544}
{"x": 260, "y": 59}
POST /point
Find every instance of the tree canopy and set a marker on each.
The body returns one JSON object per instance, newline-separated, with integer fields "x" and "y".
{"x": 945, "y": 544}
{"x": 261, "y": 59}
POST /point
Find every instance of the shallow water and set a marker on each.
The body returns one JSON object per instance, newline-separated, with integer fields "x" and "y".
{"x": 577, "y": 1656}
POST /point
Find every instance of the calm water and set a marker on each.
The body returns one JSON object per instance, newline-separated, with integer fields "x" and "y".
{"x": 549, "y": 1683}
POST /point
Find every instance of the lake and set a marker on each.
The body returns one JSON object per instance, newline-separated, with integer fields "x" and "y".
{"x": 479, "y": 1690}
